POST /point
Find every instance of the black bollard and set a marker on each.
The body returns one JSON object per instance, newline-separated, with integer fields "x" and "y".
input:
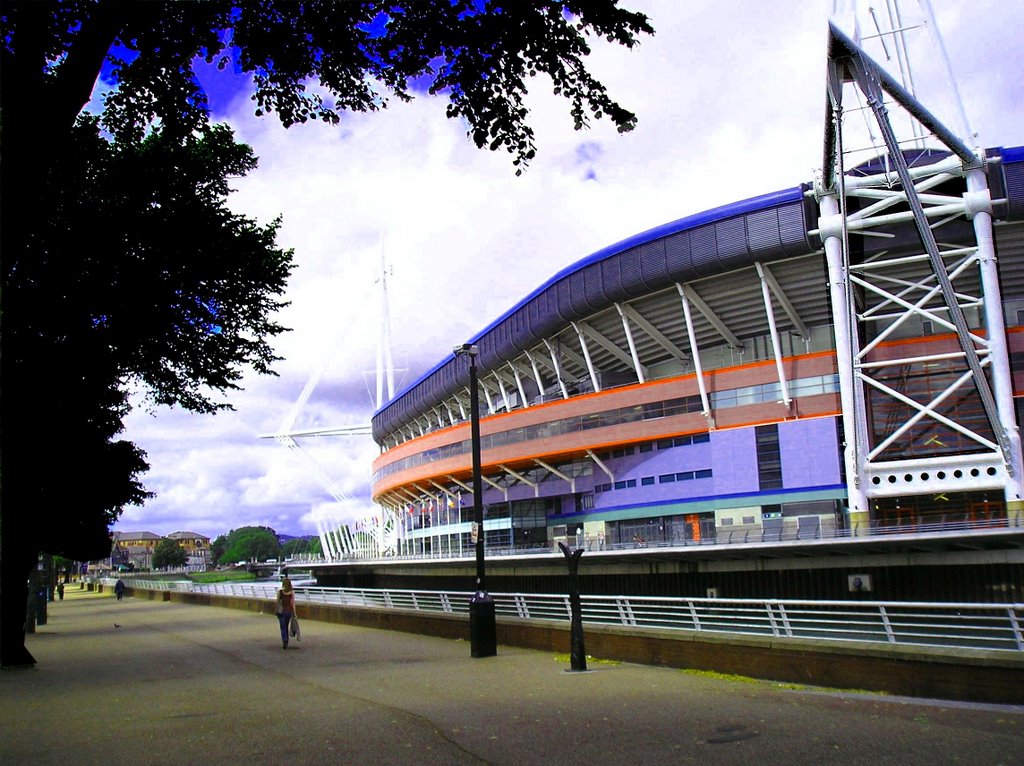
{"x": 483, "y": 634}
{"x": 41, "y": 606}
{"x": 577, "y": 652}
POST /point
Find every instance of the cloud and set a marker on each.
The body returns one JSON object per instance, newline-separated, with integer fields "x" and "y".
{"x": 730, "y": 100}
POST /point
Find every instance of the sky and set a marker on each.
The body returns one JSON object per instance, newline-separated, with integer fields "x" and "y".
{"x": 730, "y": 101}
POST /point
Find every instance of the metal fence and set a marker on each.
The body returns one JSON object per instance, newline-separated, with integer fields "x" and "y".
{"x": 953, "y": 626}
{"x": 946, "y": 525}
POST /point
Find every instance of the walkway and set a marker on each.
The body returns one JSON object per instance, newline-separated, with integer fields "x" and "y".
{"x": 166, "y": 683}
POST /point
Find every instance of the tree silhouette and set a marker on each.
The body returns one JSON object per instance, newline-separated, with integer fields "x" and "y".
{"x": 122, "y": 268}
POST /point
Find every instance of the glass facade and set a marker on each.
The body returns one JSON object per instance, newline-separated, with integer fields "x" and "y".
{"x": 810, "y": 386}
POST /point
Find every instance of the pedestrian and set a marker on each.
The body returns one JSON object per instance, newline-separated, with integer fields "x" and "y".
{"x": 60, "y": 591}
{"x": 119, "y": 589}
{"x": 285, "y": 609}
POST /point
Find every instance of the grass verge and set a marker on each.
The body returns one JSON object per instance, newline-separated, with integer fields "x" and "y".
{"x": 211, "y": 577}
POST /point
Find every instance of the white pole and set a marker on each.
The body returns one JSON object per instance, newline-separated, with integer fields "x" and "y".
{"x": 845, "y": 349}
{"x": 999, "y": 362}
{"x": 776, "y": 347}
{"x": 695, "y": 355}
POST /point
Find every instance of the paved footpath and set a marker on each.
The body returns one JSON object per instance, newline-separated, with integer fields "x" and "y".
{"x": 148, "y": 682}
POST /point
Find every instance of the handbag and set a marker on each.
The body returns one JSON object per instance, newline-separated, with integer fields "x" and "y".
{"x": 293, "y": 628}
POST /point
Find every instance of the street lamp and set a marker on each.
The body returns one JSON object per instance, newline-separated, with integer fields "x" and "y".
{"x": 483, "y": 639}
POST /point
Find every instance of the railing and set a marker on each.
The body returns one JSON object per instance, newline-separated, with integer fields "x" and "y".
{"x": 952, "y": 524}
{"x": 953, "y": 626}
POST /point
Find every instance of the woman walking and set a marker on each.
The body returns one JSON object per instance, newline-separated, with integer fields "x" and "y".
{"x": 285, "y": 609}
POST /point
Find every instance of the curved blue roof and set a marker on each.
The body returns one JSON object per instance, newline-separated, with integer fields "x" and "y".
{"x": 769, "y": 225}
{"x": 763, "y": 228}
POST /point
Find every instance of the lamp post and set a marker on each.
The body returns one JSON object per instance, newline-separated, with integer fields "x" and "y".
{"x": 483, "y": 639}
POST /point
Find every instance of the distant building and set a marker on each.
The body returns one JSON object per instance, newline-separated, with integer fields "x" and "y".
{"x": 197, "y": 547}
{"x": 134, "y": 548}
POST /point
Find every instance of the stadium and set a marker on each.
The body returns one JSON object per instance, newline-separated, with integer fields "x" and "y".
{"x": 684, "y": 384}
{"x": 833, "y": 362}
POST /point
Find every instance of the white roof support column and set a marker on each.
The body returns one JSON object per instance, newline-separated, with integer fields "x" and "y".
{"x": 653, "y": 332}
{"x": 769, "y": 310}
{"x": 695, "y": 355}
{"x": 497, "y": 486}
{"x": 411, "y": 495}
{"x": 711, "y": 316}
{"x": 519, "y": 385}
{"x": 518, "y": 476}
{"x": 586, "y": 356}
{"x": 394, "y": 501}
{"x": 451, "y": 417}
{"x": 462, "y": 484}
{"x": 783, "y": 299}
{"x": 556, "y": 472}
{"x": 640, "y": 377}
{"x": 441, "y": 487}
{"x": 851, "y": 395}
{"x": 462, "y": 408}
{"x": 425, "y": 496}
{"x": 557, "y": 367}
{"x": 536, "y": 373}
{"x": 600, "y": 464}
{"x": 487, "y": 397}
{"x": 999, "y": 359}
{"x": 605, "y": 343}
{"x": 504, "y": 393}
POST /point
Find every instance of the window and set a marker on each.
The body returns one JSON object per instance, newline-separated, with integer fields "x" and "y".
{"x": 769, "y": 459}
{"x": 657, "y": 409}
{"x": 646, "y": 481}
{"x": 704, "y": 473}
{"x": 666, "y": 478}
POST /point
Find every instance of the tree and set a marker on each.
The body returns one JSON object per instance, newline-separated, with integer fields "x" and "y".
{"x": 251, "y": 543}
{"x": 169, "y": 554}
{"x": 315, "y": 547}
{"x": 295, "y": 546}
{"x": 217, "y": 548}
{"x": 63, "y": 568}
{"x": 175, "y": 293}
{"x": 162, "y": 251}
